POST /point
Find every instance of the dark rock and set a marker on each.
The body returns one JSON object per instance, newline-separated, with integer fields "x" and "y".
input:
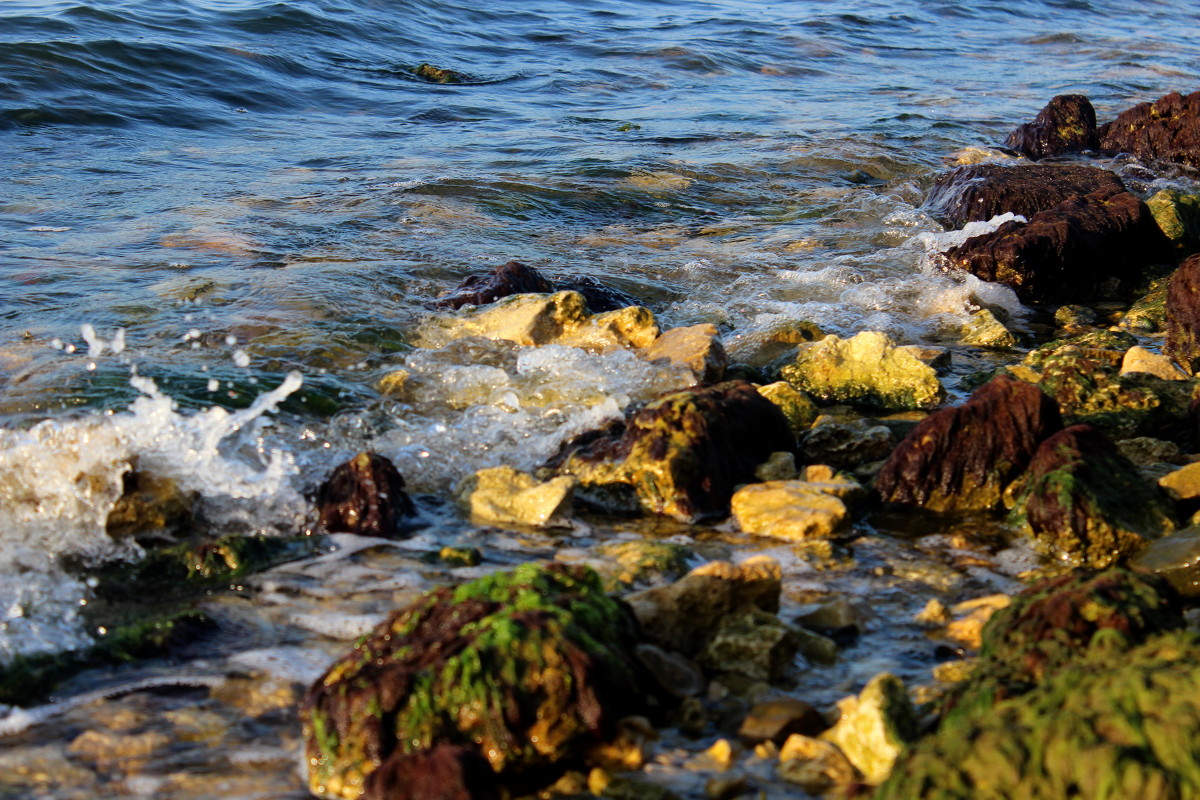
{"x": 364, "y": 496}
{"x": 846, "y": 444}
{"x": 432, "y": 74}
{"x": 444, "y": 772}
{"x": 1176, "y": 558}
{"x": 600, "y": 296}
{"x": 529, "y": 668}
{"x": 507, "y": 279}
{"x": 962, "y": 458}
{"x": 681, "y": 455}
{"x": 776, "y": 720}
{"x": 1082, "y": 247}
{"x": 1086, "y": 504}
{"x": 1183, "y": 315}
{"x": 981, "y": 191}
{"x": 1166, "y": 130}
{"x": 1066, "y": 125}
{"x": 150, "y": 505}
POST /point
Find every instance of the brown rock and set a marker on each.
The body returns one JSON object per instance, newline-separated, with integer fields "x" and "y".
{"x": 776, "y": 720}
{"x": 1069, "y": 252}
{"x": 1066, "y": 125}
{"x": 364, "y": 496}
{"x": 962, "y": 458}
{"x": 982, "y": 191}
{"x": 511, "y": 278}
{"x": 697, "y": 347}
{"x": 444, "y": 772}
{"x": 1183, "y": 315}
{"x": 600, "y": 296}
{"x": 1166, "y": 130}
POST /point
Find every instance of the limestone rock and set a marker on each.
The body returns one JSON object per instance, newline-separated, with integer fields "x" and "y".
{"x": 1069, "y": 252}
{"x": 980, "y": 192}
{"x": 875, "y": 727}
{"x": 1139, "y": 359}
{"x": 1183, "y": 315}
{"x": 816, "y": 765}
{"x": 507, "y": 496}
{"x": 795, "y": 510}
{"x": 697, "y": 348}
{"x": 776, "y": 720}
{"x": 866, "y": 369}
{"x": 1183, "y": 483}
{"x": 366, "y": 496}
{"x": 681, "y": 455}
{"x": 1178, "y": 215}
{"x": 963, "y": 458}
{"x": 1166, "y": 130}
{"x": 846, "y": 444}
{"x": 1066, "y": 125}
{"x": 984, "y": 330}
{"x": 800, "y": 411}
{"x": 648, "y": 560}
{"x": 1086, "y": 504}
{"x": 780, "y": 466}
{"x": 508, "y": 279}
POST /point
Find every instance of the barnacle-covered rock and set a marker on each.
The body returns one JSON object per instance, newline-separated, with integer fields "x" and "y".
{"x": 528, "y": 667}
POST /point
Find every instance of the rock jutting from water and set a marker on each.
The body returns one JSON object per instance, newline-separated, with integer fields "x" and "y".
{"x": 1166, "y": 130}
{"x": 366, "y": 496}
{"x": 1067, "y": 124}
{"x": 507, "y": 279}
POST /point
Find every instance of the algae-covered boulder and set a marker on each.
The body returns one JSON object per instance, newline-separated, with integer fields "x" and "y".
{"x": 1113, "y": 725}
{"x": 1067, "y": 124}
{"x": 366, "y": 496}
{"x": 963, "y": 458}
{"x": 984, "y": 329}
{"x": 866, "y": 369}
{"x": 150, "y": 504}
{"x": 800, "y": 411}
{"x": 1086, "y": 504}
{"x": 681, "y": 455}
{"x": 529, "y": 668}
{"x": 1166, "y": 130}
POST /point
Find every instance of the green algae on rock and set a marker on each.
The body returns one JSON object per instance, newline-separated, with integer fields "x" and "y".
{"x": 1178, "y": 215}
{"x": 681, "y": 455}
{"x": 800, "y": 411}
{"x": 644, "y": 561}
{"x": 866, "y": 369}
{"x": 531, "y": 667}
{"x": 1086, "y": 504}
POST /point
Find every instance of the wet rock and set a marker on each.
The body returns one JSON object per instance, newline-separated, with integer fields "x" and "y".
{"x": 676, "y": 675}
{"x": 683, "y": 615}
{"x": 963, "y": 458}
{"x": 866, "y": 369}
{"x": 443, "y": 772}
{"x": 256, "y": 696}
{"x": 816, "y": 765}
{"x": 527, "y": 667}
{"x": 41, "y": 770}
{"x": 150, "y": 504}
{"x": 1066, "y": 125}
{"x": 1178, "y": 215}
{"x": 507, "y": 496}
{"x": 1086, "y": 504}
{"x": 751, "y": 643}
{"x": 726, "y": 787}
{"x": 681, "y": 455}
{"x": 834, "y": 618}
{"x": 795, "y": 510}
{"x": 432, "y": 74}
{"x": 111, "y": 752}
{"x": 540, "y": 319}
{"x": 776, "y": 720}
{"x": 600, "y": 296}
{"x": 1144, "y": 451}
{"x": 1183, "y": 315}
{"x": 816, "y": 647}
{"x": 780, "y": 466}
{"x": 1148, "y": 314}
{"x": 1183, "y": 484}
{"x": 965, "y": 627}
{"x": 647, "y": 561}
{"x": 1166, "y": 130}
{"x": 1104, "y": 346}
{"x": 1140, "y": 360}
{"x": 800, "y": 411}
{"x": 366, "y": 496}
{"x": 698, "y": 348}
{"x": 624, "y": 787}
{"x": 1108, "y": 725}
{"x": 1073, "y": 317}
{"x": 763, "y": 348}
{"x": 507, "y": 279}
{"x": 980, "y": 192}
{"x": 984, "y": 330}
{"x": 1078, "y": 249}
{"x": 875, "y": 727}
{"x": 846, "y": 445}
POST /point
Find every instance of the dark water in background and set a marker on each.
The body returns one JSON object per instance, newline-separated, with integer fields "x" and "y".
{"x": 249, "y": 189}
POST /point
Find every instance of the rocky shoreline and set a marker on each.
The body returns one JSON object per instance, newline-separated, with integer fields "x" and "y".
{"x": 1073, "y": 458}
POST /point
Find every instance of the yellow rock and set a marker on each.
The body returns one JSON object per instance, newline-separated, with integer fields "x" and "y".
{"x": 800, "y": 411}
{"x": 393, "y": 383}
{"x": 507, "y": 496}
{"x": 1140, "y": 360}
{"x": 116, "y": 752}
{"x": 698, "y": 348}
{"x": 816, "y": 765}
{"x": 934, "y": 613}
{"x": 788, "y": 510}
{"x": 866, "y": 369}
{"x": 721, "y": 753}
{"x": 875, "y": 727}
{"x": 1183, "y": 483}
{"x": 256, "y": 696}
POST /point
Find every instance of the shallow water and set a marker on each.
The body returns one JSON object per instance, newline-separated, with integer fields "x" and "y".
{"x": 201, "y": 199}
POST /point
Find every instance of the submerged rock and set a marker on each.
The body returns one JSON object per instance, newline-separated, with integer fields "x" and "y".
{"x": 366, "y": 496}
{"x": 1086, "y": 504}
{"x": 1069, "y": 252}
{"x": 1183, "y": 315}
{"x": 526, "y": 668}
{"x": 963, "y": 458}
{"x": 152, "y": 505}
{"x": 698, "y": 348}
{"x": 600, "y": 296}
{"x": 681, "y": 455}
{"x": 866, "y": 369}
{"x": 776, "y": 720}
{"x": 846, "y": 444}
{"x": 982, "y": 191}
{"x": 507, "y": 279}
{"x": 1066, "y": 125}
{"x": 1166, "y": 130}
{"x": 1175, "y": 558}
{"x": 432, "y": 74}
{"x": 875, "y": 727}
{"x": 508, "y": 496}
{"x": 816, "y": 765}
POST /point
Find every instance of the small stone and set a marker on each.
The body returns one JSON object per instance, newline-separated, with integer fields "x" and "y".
{"x": 1146, "y": 451}
{"x": 256, "y": 697}
{"x": 1074, "y": 316}
{"x": 698, "y": 348}
{"x": 833, "y": 616}
{"x": 393, "y": 383}
{"x": 648, "y": 561}
{"x": 955, "y": 671}
{"x": 128, "y": 753}
{"x": 674, "y": 673}
{"x": 788, "y": 510}
{"x": 816, "y": 765}
{"x": 866, "y": 369}
{"x": 875, "y": 727}
{"x": 721, "y": 754}
{"x": 966, "y": 628}
{"x": 506, "y": 496}
{"x": 365, "y": 496}
{"x": 984, "y": 330}
{"x": 1139, "y": 359}
{"x": 43, "y": 767}
{"x": 504, "y": 281}
{"x": 1178, "y": 215}
{"x": 1175, "y": 557}
{"x": 815, "y": 647}
{"x": 936, "y": 357}
{"x": 933, "y": 614}
{"x": 196, "y": 725}
{"x": 776, "y": 720}
{"x": 755, "y": 644}
{"x": 780, "y": 466}
{"x": 1184, "y": 483}
{"x": 626, "y": 750}
{"x": 848, "y": 444}
{"x": 800, "y": 411}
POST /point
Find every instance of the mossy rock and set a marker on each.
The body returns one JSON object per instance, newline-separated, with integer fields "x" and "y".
{"x": 1099, "y": 344}
{"x": 866, "y": 370}
{"x": 1148, "y": 314}
{"x": 1112, "y": 725}
{"x": 531, "y": 667}
{"x": 1178, "y": 215}
{"x": 645, "y": 561}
